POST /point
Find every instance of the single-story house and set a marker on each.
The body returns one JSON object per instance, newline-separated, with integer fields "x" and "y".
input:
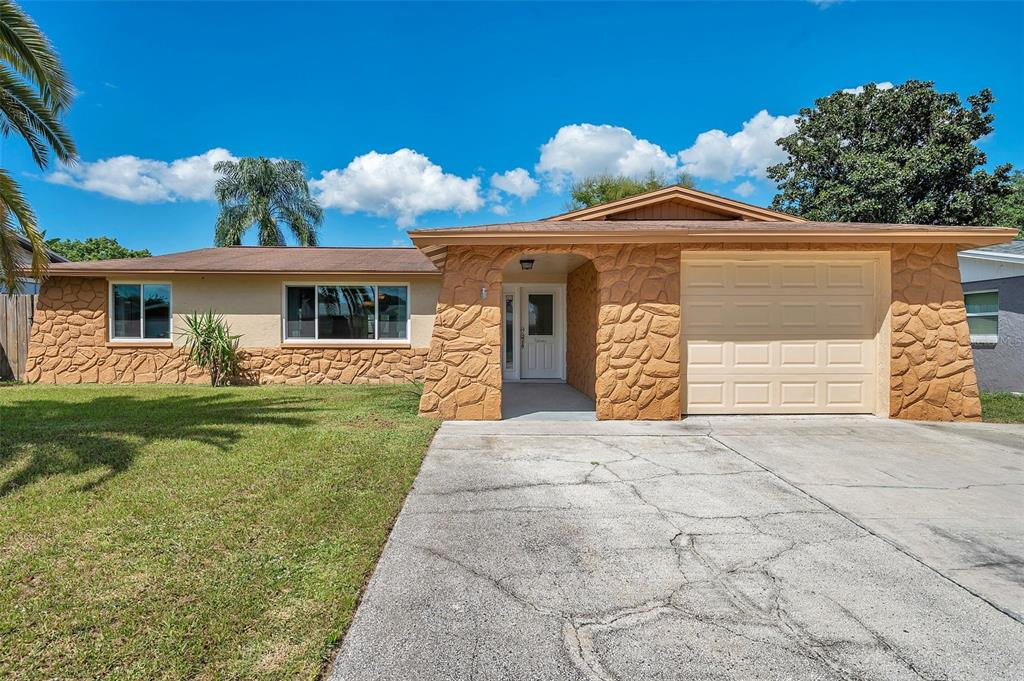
{"x": 664, "y": 304}
{"x": 993, "y": 283}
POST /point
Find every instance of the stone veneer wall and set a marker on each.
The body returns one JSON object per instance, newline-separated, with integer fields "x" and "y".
{"x": 69, "y": 345}
{"x": 581, "y": 329}
{"x": 932, "y": 369}
{"x": 637, "y": 359}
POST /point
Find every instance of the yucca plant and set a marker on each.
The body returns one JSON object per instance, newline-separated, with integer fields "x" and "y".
{"x": 211, "y": 346}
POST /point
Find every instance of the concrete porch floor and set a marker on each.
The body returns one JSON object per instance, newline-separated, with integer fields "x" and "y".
{"x": 545, "y": 401}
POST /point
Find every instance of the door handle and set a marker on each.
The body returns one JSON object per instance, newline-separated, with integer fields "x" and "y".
{"x": 522, "y": 338}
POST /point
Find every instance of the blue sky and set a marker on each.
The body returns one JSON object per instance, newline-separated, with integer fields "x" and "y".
{"x": 448, "y": 114}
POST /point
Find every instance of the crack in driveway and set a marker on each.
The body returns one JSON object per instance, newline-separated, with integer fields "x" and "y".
{"x": 696, "y": 570}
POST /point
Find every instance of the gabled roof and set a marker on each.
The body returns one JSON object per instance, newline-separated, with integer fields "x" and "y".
{"x": 260, "y": 260}
{"x": 707, "y": 206}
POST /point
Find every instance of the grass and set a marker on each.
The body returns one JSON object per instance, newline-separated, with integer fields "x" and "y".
{"x": 182, "y": 531}
{"x": 1002, "y": 407}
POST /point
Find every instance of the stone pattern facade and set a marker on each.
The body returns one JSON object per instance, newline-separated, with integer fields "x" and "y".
{"x": 581, "y": 329}
{"x": 69, "y": 345}
{"x": 932, "y": 367}
{"x": 637, "y": 357}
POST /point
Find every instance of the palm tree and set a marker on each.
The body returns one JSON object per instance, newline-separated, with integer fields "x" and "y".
{"x": 264, "y": 192}
{"x": 35, "y": 93}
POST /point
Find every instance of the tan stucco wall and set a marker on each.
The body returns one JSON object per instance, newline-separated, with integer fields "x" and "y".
{"x": 251, "y": 304}
{"x": 69, "y": 345}
{"x": 581, "y": 329}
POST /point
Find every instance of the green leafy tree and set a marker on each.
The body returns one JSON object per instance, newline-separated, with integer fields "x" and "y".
{"x": 1010, "y": 208}
{"x": 904, "y": 155}
{"x": 265, "y": 193}
{"x": 93, "y": 248}
{"x": 597, "y": 189}
{"x": 35, "y": 93}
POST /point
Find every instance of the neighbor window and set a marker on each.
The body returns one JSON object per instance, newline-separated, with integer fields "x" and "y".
{"x": 983, "y": 315}
{"x": 347, "y": 312}
{"x": 140, "y": 311}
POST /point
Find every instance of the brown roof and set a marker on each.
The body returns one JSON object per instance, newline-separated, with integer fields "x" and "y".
{"x": 707, "y": 230}
{"x": 259, "y": 260}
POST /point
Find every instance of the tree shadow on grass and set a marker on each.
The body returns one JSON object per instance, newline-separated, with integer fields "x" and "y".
{"x": 107, "y": 432}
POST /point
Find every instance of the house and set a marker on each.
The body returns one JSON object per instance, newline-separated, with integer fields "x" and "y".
{"x": 669, "y": 303}
{"x": 993, "y": 283}
{"x": 23, "y": 258}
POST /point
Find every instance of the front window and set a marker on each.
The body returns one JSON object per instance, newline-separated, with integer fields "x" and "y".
{"x": 983, "y": 316}
{"x": 140, "y": 311}
{"x": 346, "y": 312}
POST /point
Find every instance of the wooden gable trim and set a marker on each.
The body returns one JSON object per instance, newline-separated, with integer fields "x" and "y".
{"x": 719, "y": 204}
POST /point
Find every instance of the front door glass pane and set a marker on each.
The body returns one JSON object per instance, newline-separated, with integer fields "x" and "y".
{"x": 541, "y": 312}
{"x": 345, "y": 312}
{"x": 510, "y": 336}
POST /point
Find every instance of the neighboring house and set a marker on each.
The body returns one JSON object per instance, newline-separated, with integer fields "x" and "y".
{"x": 993, "y": 282}
{"x": 672, "y": 302}
{"x": 24, "y": 260}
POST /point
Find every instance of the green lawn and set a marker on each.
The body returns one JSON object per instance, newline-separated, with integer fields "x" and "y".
{"x": 1002, "y": 408}
{"x": 169, "y": 532}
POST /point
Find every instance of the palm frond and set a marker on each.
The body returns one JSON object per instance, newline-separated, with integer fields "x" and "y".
{"x": 27, "y": 113}
{"x": 14, "y": 205}
{"x": 26, "y": 48}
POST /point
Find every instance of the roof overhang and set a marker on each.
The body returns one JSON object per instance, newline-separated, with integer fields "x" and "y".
{"x": 70, "y": 272}
{"x": 429, "y": 240}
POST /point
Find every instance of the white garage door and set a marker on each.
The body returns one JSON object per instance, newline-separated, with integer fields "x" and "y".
{"x": 780, "y": 334}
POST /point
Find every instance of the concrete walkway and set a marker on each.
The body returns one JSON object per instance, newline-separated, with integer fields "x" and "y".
{"x": 725, "y": 548}
{"x": 548, "y": 401}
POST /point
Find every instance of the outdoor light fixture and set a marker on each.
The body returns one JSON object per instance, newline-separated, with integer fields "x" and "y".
{"x": 526, "y": 264}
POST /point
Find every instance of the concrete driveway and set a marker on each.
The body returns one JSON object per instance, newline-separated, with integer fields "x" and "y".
{"x": 714, "y": 548}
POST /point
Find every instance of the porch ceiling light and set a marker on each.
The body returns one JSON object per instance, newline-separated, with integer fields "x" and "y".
{"x": 526, "y": 264}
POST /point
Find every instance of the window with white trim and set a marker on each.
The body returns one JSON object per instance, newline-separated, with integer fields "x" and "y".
{"x": 140, "y": 311}
{"x": 983, "y": 315}
{"x": 346, "y": 312}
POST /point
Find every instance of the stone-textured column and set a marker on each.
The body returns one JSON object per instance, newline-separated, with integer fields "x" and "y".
{"x": 932, "y": 375}
{"x": 463, "y": 378}
{"x": 638, "y": 357}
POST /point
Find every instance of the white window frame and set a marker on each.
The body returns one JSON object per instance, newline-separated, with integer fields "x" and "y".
{"x": 142, "y": 312}
{"x": 987, "y": 338}
{"x": 316, "y": 340}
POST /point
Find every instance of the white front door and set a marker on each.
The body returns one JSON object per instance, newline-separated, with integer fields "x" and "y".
{"x": 541, "y": 334}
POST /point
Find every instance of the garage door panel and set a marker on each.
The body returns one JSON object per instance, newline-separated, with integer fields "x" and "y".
{"x": 780, "y": 336}
{"x": 768, "y": 278}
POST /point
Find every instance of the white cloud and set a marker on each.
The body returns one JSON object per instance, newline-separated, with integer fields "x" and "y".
{"x": 585, "y": 149}
{"x": 744, "y": 189}
{"x": 499, "y": 209}
{"x": 884, "y": 85}
{"x": 516, "y": 182}
{"x": 143, "y": 180}
{"x": 402, "y": 185}
{"x": 719, "y": 156}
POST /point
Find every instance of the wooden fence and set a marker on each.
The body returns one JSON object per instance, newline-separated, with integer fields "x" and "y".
{"x": 15, "y": 326}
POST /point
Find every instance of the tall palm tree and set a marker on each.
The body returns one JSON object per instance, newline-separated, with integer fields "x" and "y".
{"x": 35, "y": 93}
{"x": 265, "y": 192}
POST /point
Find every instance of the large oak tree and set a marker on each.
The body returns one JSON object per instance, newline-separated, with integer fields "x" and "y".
{"x": 907, "y": 154}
